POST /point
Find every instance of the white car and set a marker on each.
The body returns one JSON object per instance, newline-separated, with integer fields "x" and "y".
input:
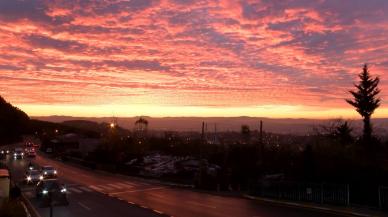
{"x": 49, "y": 172}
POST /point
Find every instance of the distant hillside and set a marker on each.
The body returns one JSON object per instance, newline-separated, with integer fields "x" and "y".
{"x": 284, "y": 125}
{"x": 92, "y": 126}
{"x": 13, "y": 122}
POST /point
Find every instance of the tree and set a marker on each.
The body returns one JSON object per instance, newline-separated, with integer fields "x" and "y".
{"x": 245, "y": 132}
{"x": 365, "y": 99}
{"x": 343, "y": 132}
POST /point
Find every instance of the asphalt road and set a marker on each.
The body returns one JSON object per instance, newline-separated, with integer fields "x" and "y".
{"x": 84, "y": 201}
{"x": 101, "y": 194}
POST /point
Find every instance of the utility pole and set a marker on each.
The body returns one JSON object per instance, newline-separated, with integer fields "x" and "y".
{"x": 261, "y": 144}
{"x": 51, "y": 203}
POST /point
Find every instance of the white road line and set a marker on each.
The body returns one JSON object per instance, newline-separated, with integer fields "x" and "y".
{"x": 104, "y": 187}
{"x": 75, "y": 190}
{"x": 95, "y": 188}
{"x": 157, "y": 195}
{"x": 86, "y": 189}
{"x": 132, "y": 191}
{"x": 157, "y": 211}
{"x": 130, "y": 183}
{"x": 124, "y": 185}
{"x": 200, "y": 204}
{"x": 115, "y": 186}
{"x": 84, "y": 206}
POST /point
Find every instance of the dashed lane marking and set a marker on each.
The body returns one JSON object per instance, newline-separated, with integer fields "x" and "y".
{"x": 200, "y": 204}
{"x": 132, "y": 191}
{"x": 115, "y": 186}
{"x": 124, "y": 185}
{"x": 86, "y": 189}
{"x": 104, "y": 187}
{"x": 84, "y": 206}
{"x": 75, "y": 190}
{"x": 95, "y": 188}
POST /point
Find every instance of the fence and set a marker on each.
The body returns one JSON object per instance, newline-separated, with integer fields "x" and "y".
{"x": 383, "y": 197}
{"x": 323, "y": 193}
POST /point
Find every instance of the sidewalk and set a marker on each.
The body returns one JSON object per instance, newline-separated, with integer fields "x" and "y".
{"x": 347, "y": 211}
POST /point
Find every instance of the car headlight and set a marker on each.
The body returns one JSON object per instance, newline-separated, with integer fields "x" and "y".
{"x": 2, "y": 152}
{"x": 45, "y": 173}
{"x": 44, "y": 192}
{"x": 63, "y": 190}
{"x": 22, "y": 154}
{"x": 7, "y": 151}
{"x": 55, "y": 172}
{"x": 14, "y": 154}
{"x": 28, "y": 178}
{"x": 41, "y": 177}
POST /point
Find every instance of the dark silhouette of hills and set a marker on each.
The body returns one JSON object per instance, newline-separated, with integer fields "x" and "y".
{"x": 92, "y": 126}
{"x": 13, "y": 122}
{"x": 275, "y": 125}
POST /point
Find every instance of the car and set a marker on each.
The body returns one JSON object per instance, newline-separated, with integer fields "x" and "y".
{"x": 31, "y": 153}
{"x": 49, "y": 172}
{"x": 33, "y": 176}
{"x": 18, "y": 153}
{"x": 3, "y": 155}
{"x": 51, "y": 190}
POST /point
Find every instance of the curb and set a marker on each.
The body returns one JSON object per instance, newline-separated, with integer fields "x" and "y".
{"x": 29, "y": 208}
{"x": 313, "y": 207}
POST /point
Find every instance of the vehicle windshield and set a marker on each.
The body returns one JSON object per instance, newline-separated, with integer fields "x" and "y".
{"x": 48, "y": 168}
{"x": 51, "y": 185}
{"x": 34, "y": 172}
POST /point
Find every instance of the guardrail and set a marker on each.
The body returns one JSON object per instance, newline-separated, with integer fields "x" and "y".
{"x": 383, "y": 197}
{"x": 323, "y": 193}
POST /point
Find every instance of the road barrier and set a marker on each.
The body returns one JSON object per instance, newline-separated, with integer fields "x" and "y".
{"x": 383, "y": 197}
{"x": 323, "y": 193}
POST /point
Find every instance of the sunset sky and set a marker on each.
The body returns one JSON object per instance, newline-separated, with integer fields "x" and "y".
{"x": 294, "y": 58}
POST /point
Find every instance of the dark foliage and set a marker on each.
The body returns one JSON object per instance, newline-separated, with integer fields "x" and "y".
{"x": 365, "y": 99}
{"x": 13, "y": 122}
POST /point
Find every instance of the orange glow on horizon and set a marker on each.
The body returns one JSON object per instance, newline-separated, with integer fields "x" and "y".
{"x": 190, "y": 58}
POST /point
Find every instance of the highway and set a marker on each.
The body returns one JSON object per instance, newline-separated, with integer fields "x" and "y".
{"x": 99, "y": 194}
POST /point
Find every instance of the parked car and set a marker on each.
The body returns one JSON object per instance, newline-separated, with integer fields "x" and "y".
{"x": 51, "y": 190}
{"x": 33, "y": 176}
{"x": 49, "y": 172}
{"x": 18, "y": 153}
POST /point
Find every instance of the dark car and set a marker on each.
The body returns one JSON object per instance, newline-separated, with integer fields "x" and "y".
{"x": 18, "y": 153}
{"x": 49, "y": 172}
{"x": 51, "y": 190}
{"x": 3, "y": 154}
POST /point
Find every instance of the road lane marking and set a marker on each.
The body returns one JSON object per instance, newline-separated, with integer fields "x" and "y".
{"x": 95, "y": 188}
{"x": 115, "y": 186}
{"x": 157, "y": 195}
{"x": 124, "y": 185}
{"x": 132, "y": 191}
{"x": 157, "y": 211}
{"x": 104, "y": 187}
{"x": 200, "y": 204}
{"x": 84, "y": 206}
{"x": 86, "y": 189}
{"x": 72, "y": 189}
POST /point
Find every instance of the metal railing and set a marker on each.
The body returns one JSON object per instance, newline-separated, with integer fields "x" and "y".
{"x": 323, "y": 193}
{"x": 383, "y": 197}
